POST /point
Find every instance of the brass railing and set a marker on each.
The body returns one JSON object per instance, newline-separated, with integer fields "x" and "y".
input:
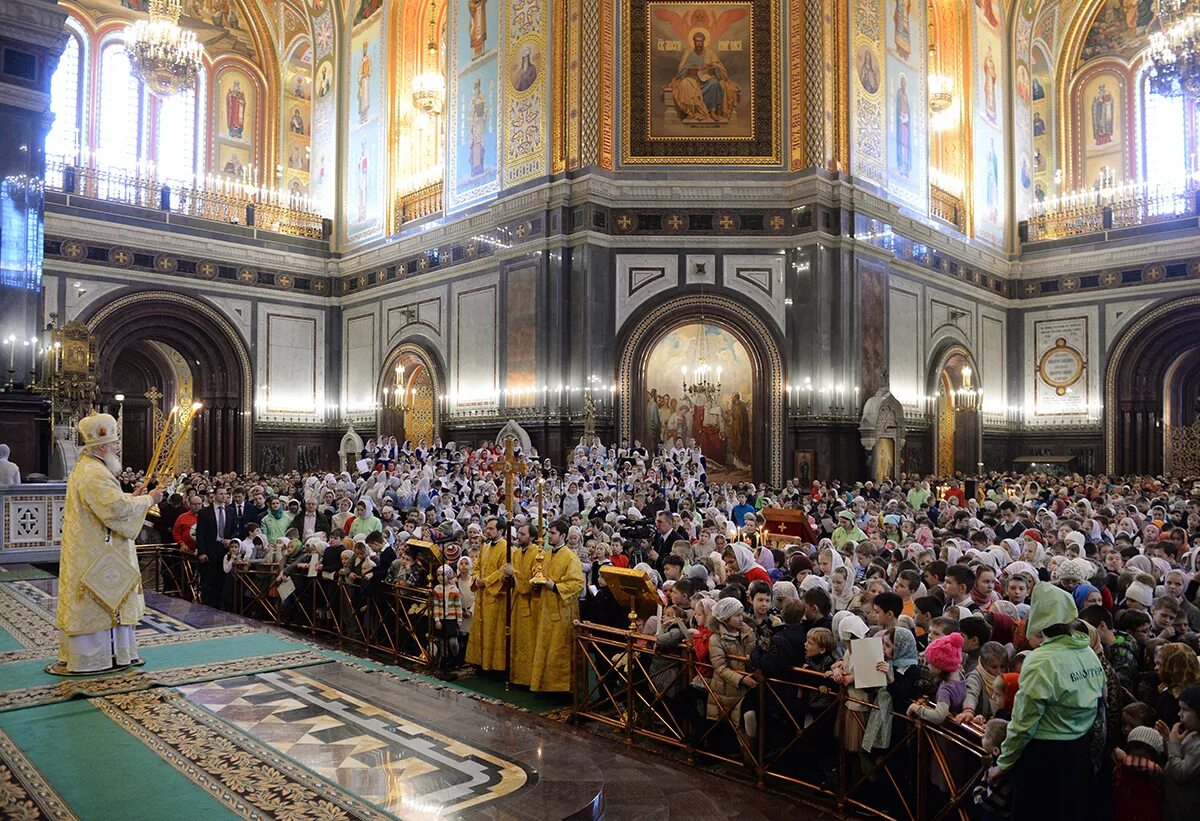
{"x": 1107, "y": 209}
{"x": 419, "y": 203}
{"x": 220, "y": 200}
{"x": 948, "y": 208}
{"x": 806, "y": 730}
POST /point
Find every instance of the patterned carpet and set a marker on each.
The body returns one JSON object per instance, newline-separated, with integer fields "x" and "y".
{"x": 224, "y": 723}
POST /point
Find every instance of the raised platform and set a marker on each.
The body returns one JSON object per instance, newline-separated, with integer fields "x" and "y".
{"x": 232, "y": 719}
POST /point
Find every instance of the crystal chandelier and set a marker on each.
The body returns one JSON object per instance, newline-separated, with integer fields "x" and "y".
{"x": 941, "y": 87}
{"x": 705, "y": 380}
{"x": 967, "y": 399}
{"x": 164, "y": 56}
{"x": 1174, "y": 50}
{"x": 429, "y": 87}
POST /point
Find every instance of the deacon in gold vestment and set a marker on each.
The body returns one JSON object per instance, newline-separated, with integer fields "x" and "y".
{"x": 99, "y": 585}
{"x": 525, "y": 606}
{"x": 486, "y": 647}
{"x": 558, "y": 604}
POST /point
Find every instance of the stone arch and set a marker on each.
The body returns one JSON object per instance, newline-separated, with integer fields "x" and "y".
{"x": 642, "y": 332}
{"x": 882, "y": 432}
{"x": 957, "y": 439}
{"x": 415, "y": 355}
{"x": 202, "y": 334}
{"x": 1153, "y": 359}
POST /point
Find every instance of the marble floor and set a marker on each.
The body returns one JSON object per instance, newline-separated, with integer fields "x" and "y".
{"x": 420, "y": 751}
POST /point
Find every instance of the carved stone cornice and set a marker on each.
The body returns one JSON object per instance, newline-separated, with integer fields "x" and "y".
{"x": 35, "y": 22}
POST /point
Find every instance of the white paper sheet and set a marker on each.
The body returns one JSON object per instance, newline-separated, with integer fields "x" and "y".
{"x": 867, "y": 653}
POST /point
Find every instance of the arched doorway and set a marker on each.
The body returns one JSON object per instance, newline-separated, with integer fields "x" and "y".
{"x": 409, "y": 391}
{"x": 740, "y": 426}
{"x": 1152, "y": 393}
{"x": 156, "y": 340}
{"x": 957, "y": 433}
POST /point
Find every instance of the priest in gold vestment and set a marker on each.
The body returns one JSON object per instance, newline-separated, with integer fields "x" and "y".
{"x": 486, "y": 647}
{"x": 558, "y": 606}
{"x": 99, "y": 587}
{"x": 525, "y": 605}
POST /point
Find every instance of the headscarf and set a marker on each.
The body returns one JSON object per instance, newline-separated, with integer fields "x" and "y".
{"x": 835, "y": 559}
{"x": 781, "y": 592}
{"x": 726, "y": 608}
{"x": 744, "y": 556}
{"x": 878, "y": 732}
{"x": 1081, "y": 593}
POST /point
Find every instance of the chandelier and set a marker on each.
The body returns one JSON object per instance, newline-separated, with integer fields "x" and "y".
{"x": 941, "y": 87}
{"x": 429, "y": 87}
{"x": 1174, "y": 50}
{"x": 703, "y": 381}
{"x": 164, "y": 56}
{"x": 967, "y": 399}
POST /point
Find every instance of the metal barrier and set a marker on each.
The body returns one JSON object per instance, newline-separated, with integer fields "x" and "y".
{"x": 391, "y": 621}
{"x": 801, "y": 733}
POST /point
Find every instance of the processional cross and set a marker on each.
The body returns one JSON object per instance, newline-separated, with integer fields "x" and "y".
{"x": 510, "y": 467}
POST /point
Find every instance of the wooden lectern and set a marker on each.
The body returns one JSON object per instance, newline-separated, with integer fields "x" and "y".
{"x": 785, "y": 526}
{"x": 634, "y": 589}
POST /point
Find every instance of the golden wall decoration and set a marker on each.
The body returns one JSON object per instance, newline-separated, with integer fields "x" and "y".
{"x": 524, "y": 66}
{"x": 701, "y": 83}
{"x": 1183, "y": 449}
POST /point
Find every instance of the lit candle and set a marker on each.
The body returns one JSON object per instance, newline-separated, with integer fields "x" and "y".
{"x": 173, "y": 455}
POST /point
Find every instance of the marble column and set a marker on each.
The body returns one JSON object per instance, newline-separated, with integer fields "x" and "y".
{"x": 31, "y": 37}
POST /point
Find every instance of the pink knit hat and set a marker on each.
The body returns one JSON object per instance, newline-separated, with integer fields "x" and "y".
{"x": 945, "y": 654}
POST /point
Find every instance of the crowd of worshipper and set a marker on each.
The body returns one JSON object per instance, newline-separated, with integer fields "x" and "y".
{"x": 1055, "y": 618}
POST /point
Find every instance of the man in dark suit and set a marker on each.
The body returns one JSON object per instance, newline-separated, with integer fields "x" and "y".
{"x": 665, "y": 536}
{"x": 214, "y": 525}
{"x": 242, "y": 513}
{"x": 311, "y": 520}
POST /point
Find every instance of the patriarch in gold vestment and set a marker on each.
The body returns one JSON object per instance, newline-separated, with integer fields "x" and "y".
{"x": 99, "y": 588}
{"x": 486, "y": 647}
{"x": 558, "y": 606}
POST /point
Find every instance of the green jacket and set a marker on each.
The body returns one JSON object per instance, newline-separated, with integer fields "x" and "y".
{"x": 1057, "y": 697}
{"x": 275, "y": 529}
{"x": 841, "y": 535}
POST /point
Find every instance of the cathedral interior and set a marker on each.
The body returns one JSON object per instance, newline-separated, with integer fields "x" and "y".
{"x": 905, "y": 236}
{"x": 785, "y": 241}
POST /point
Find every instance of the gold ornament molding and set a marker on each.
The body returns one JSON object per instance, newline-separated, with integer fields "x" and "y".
{"x": 218, "y": 319}
{"x": 761, "y": 338}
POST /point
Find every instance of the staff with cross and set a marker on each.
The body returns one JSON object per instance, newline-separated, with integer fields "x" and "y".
{"x": 510, "y": 468}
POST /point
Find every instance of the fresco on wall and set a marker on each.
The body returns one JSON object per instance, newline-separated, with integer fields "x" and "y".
{"x": 990, "y": 166}
{"x": 868, "y": 126}
{"x": 1119, "y": 28}
{"x": 723, "y": 426}
{"x": 364, "y": 154}
{"x": 701, "y": 81}
{"x": 473, "y": 159}
{"x": 298, "y": 94}
{"x": 322, "y": 155}
{"x": 234, "y": 120}
{"x": 1022, "y": 114}
{"x": 907, "y": 149}
{"x": 1101, "y": 103}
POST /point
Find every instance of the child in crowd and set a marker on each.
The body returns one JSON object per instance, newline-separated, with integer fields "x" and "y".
{"x": 1138, "y": 776}
{"x": 447, "y": 613}
{"x": 1183, "y": 759}
{"x": 760, "y": 620}
{"x": 978, "y": 703}
{"x": 994, "y": 797}
{"x": 1017, "y": 592}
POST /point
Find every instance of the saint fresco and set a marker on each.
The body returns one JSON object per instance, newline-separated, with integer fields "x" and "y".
{"x": 701, "y": 81}
{"x": 721, "y": 424}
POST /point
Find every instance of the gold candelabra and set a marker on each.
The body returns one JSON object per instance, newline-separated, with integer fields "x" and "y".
{"x": 539, "y": 558}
